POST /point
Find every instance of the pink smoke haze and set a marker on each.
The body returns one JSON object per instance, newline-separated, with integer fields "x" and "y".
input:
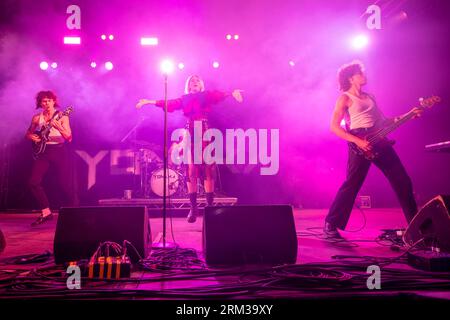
{"x": 285, "y": 61}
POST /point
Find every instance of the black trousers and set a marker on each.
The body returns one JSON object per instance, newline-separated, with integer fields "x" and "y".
{"x": 357, "y": 168}
{"x": 55, "y": 159}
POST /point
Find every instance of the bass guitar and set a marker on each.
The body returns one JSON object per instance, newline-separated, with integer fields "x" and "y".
{"x": 376, "y": 136}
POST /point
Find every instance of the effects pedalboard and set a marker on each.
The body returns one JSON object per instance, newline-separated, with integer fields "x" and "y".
{"x": 429, "y": 260}
{"x": 105, "y": 267}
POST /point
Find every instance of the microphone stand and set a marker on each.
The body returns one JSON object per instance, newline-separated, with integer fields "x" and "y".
{"x": 165, "y": 244}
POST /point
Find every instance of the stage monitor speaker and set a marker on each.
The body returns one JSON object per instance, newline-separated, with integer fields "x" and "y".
{"x": 238, "y": 235}
{"x": 431, "y": 223}
{"x": 79, "y": 231}
{"x": 2, "y": 241}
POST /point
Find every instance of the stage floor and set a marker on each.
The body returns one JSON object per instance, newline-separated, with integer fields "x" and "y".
{"x": 22, "y": 239}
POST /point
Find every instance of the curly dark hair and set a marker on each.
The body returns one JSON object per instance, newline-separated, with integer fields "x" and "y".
{"x": 346, "y": 72}
{"x": 46, "y": 94}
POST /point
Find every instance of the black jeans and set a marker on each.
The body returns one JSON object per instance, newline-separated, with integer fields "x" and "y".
{"x": 57, "y": 159}
{"x": 357, "y": 168}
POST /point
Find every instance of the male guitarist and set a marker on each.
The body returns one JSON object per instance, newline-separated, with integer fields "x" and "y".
{"x": 361, "y": 114}
{"x": 55, "y": 156}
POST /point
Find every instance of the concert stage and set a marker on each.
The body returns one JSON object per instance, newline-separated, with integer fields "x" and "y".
{"x": 125, "y": 117}
{"x": 321, "y": 272}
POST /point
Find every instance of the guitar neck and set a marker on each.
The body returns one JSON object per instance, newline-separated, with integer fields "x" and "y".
{"x": 399, "y": 122}
{"x": 391, "y": 127}
{"x": 424, "y": 103}
{"x": 62, "y": 114}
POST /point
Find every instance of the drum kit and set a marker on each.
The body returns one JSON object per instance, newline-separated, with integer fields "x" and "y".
{"x": 152, "y": 172}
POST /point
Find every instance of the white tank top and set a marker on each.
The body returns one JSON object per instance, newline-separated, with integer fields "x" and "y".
{"x": 55, "y": 136}
{"x": 363, "y": 113}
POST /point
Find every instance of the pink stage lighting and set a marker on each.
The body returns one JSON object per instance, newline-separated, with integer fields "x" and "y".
{"x": 111, "y": 37}
{"x": 149, "y": 41}
{"x": 103, "y": 36}
{"x": 54, "y": 65}
{"x": 43, "y": 65}
{"x": 109, "y": 66}
{"x": 291, "y": 63}
{"x": 228, "y": 36}
{"x": 215, "y": 64}
{"x": 360, "y": 42}
{"x": 93, "y": 64}
{"x": 167, "y": 66}
{"x": 181, "y": 66}
{"x": 236, "y": 37}
{"x": 72, "y": 40}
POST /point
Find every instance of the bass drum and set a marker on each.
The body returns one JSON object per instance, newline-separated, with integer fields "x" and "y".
{"x": 157, "y": 182}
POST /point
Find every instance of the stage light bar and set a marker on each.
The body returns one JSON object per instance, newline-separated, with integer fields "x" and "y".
{"x": 72, "y": 40}
{"x": 149, "y": 41}
{"x": 235, "y": 37}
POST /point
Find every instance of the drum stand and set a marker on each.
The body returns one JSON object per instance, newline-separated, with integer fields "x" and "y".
{"x": 133, "y": 132}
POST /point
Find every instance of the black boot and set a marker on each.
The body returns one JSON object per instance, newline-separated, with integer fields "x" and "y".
{"x": 192, "y": 216}
{"x": 331, "y": 231}
{"x": 41, "y": 219}
{"x": 209, "y": 198}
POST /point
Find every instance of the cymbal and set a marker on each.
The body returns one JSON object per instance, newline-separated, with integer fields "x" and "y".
{"x": 140, "y": 142}
{"x": 145, "y": 144}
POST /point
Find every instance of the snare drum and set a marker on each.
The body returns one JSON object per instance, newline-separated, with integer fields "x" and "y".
{"x": 157, "y": 182}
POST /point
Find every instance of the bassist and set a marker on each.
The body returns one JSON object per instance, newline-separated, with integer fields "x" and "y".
{"x": 55, "y": 158}
{"x": 361, "y": 114}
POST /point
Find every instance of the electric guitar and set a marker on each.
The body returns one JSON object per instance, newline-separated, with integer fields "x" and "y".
{"x": 44, "y": 133}
{"x": 376, "y": 136}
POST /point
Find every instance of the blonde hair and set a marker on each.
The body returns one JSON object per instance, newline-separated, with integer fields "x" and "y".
{"x": 186, "y": 86}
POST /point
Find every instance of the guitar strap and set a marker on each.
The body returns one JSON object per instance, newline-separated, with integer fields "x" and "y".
{"x": 55, "y": 114}
{"x": 53, "y": 117}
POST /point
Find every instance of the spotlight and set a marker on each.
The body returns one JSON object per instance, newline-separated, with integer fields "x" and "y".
{"x": 93, "y": 64}
{"x": 43, "y": 65}
{"x": 111, "y": 37}
{"x": 236, "y": 37}
{"x": 291, "y": 63}
{"x": 103, "y": 37}
{"x": 167, "y": 66}
{"x": 109, "y": 66}
{"x": 181, "y": 66}
{"x": 215, "y": 64}
{"x": 360, "y": 41}
{"x": 54, "y": 65}
{"x": 152, "y": 41}
{"x": 228, "y": 36}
